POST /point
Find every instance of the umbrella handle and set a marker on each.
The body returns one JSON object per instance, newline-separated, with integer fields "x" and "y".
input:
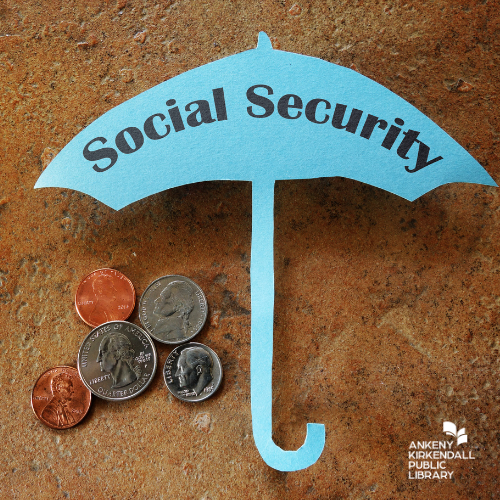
{"x": 261, "y": 362}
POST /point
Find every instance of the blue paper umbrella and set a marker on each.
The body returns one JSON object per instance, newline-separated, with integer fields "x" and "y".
{"x": 261, "y": 116}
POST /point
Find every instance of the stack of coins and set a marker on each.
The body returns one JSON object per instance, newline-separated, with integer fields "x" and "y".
{"x": 117, "y": 359}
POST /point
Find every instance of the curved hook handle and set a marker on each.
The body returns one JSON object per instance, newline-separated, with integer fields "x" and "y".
{"x": 261, "y": 363}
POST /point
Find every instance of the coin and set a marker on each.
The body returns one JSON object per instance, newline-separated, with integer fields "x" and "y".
{"x": 59, "y": 398}
{"x": 192, "y": 372}
{"x": 117, "y": 360}
{"x": 105, "y": 295}
{"x": 173, "y": 309}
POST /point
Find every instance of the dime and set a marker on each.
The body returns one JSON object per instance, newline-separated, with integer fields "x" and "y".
{"x": 117, "y": 361}
{"x": 192, "y": 372}
{"x": 173, "y": 309}
{"x": 105, "y": 295}
{"x": 59, "y": 398}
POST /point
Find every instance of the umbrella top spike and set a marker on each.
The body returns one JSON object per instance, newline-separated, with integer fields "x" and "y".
{"x": 264, "y": 42}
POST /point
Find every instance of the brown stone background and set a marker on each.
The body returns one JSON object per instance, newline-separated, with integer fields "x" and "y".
{"x": 386, "y": 311}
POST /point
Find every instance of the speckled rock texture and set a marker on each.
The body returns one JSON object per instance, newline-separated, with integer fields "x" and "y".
{"x": 387, "y": 311}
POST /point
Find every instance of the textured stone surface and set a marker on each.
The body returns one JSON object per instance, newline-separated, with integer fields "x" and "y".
{"x": 386, "y": 311}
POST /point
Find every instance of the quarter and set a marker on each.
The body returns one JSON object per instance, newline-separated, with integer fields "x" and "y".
{"x": 192, "y": 372}
{"x": 173, "y": 309}
{"x": 104, "y": 295}
{"x": 117, "y": 361}
{"x": 59, "y": 398}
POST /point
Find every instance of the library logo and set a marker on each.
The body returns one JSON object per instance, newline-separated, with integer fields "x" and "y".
{"x": 450, "y": 429}
{"x": 433, "y": 459}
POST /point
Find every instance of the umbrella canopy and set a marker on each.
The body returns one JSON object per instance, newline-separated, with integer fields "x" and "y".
{"x": 261, "y": 116}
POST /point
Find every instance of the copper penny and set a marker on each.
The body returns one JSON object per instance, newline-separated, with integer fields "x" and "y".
{"x": 105, "y": 295}
{"x": 60, "y": 398}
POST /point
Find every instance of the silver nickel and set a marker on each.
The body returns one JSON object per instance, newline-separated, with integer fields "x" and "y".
{"x": 192, "y": 372}
{"x": 173, "y": 309}
{"x": 117, "y": 361}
